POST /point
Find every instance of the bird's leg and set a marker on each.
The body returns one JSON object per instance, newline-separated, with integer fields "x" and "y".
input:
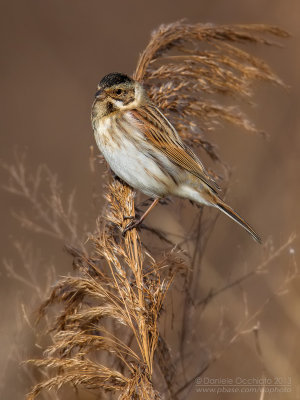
{"x": 137, "y": 207}
{"x": 134, "y": 224}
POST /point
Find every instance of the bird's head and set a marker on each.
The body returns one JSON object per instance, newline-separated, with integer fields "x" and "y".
{"x": 117, "y": 92}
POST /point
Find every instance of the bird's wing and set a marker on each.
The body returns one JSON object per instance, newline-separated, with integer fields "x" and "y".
{"x": 161, "y": 134}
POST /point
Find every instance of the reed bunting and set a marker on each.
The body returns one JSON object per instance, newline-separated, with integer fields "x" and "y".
{"x": 143, "y": 148}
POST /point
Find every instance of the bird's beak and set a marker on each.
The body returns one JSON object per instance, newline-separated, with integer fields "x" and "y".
{"x": 100, "y": 94}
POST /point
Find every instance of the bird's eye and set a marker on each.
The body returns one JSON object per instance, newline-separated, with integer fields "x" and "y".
{"x": 119, "y": 91}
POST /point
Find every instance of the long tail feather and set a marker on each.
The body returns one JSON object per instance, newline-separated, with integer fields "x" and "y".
{"x": 237, "y": 218}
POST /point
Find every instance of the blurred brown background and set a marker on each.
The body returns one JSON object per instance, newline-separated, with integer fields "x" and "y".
{"x": 53, "y": 54}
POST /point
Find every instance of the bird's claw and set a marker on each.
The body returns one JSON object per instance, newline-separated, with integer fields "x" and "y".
{"x": 128, "y": 217}
{"x": 131, "y": 225}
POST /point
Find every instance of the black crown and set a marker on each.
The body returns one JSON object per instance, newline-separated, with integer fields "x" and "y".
{"x": 115, "y": 78}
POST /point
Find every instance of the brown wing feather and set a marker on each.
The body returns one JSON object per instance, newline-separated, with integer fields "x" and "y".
{"x": 159, "y": 131}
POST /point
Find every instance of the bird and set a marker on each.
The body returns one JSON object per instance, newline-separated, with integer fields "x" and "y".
{"x": 144, "y": 149}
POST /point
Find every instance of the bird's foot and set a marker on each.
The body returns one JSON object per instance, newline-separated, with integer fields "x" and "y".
{"x": 125, "y": 217}
{"x": 131, "y": 225}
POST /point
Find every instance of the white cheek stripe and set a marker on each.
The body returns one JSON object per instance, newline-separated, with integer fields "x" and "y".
{"x": 117, "y": 103}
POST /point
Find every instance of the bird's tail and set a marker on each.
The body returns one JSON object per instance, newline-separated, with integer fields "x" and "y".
{"x": 237, "y": 218}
